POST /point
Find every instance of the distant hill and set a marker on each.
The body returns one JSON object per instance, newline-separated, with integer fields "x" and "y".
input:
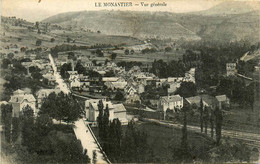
{"x": 137, "y": 24}
{"x": 231, "y": 8}
{"x": 218, "y": 23}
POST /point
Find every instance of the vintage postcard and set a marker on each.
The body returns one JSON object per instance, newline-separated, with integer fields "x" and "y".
{"x": 129, "y": 81}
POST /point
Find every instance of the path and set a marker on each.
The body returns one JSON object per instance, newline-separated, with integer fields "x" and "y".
{"x": 82, "y": 131}
{"x": 88, "y": 142}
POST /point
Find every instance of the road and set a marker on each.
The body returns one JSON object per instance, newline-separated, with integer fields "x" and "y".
{"x": 82, "y": 131}
{"x": 88, "y": 142}
{"x": 251, "y": 139}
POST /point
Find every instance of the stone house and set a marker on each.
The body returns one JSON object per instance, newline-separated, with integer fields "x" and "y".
{"x": 19, "y": 100}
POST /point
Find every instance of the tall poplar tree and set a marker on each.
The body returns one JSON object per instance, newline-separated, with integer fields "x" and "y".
{"x": 212, "y": 122}
{"x": 201, "y": 115}
{"x": 219, "y": 118}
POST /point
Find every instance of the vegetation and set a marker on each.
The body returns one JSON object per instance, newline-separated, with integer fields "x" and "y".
{"x": 64, "y": 70}
{"x": 171, "y": 69}
{"x": 187, "y": 89}
{"x": 80, "y": 68}
{"x": 61, "y": 107}
{"x": 42, "y": 138}
{"x": 6, "y": 120}
{"x": 236, "y": 89}
{"x": 128, "y": 65}
{"x": 130, "y": 147}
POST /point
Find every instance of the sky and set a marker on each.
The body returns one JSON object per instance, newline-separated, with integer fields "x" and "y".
{"x": 32, "y": 10}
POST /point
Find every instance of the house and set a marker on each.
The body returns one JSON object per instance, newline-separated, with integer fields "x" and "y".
{"x": 231, "y": 69}
{"x": 110, "y": 79}
{"x": 73, "y": 74}
{"x": 19, "y": 100}
{"x": 74, "y": 83}
{"x": 141, "y": 88}
{"x": 131, "y": 95}
{"x": 84, "y": 84}
{"x": 195, "y": 100}
{"x": 173, "y": 86}
{"x": 222, "y": 100}
{"x": 115, "y": 110}
{"x": 43, "y": 93}
{"x": 51, "y": 78}
{"x": 170, "y": 102}
{"x": 115, "y": 85}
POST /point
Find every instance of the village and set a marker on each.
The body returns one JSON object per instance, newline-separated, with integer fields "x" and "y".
{"x": 115, "y": 99}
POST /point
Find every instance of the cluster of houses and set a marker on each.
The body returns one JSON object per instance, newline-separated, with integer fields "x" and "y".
{"x": 131, "y": 83}
{"x": 176, "y": 102}
{"x": 21, "y": 99}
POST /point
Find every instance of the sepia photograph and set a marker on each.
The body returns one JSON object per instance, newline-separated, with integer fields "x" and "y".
{"x": 129, "y": 81}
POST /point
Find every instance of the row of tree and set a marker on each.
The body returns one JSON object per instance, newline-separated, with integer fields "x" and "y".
{"x": 224, "y": 151}
{"x": 128, "y": 147}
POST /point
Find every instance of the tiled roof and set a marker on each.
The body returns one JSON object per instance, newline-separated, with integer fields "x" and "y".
{"x": 196, "y": 100}
{"x": 119, "y": 108}
{"x": 21, "y": 98}
{"x": 173, "y": 98}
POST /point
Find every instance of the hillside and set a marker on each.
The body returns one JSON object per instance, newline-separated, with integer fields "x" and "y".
{"x": 137, "y": 24}
{"x": 231, "y": 8}
{"x": 237, "y": 24}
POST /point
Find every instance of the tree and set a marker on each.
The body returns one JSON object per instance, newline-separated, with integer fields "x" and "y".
{"x": 219, "y": 118}
{"x": 113, "y": 56}
{"x": 187, "y": 89}
{"x": 52, "y": 40}
{"x": 132, "y": 52}
{"x": 38, "y": 42}
{"x": 37, "y": 75}
{"x": 119, "y": 96}
{"x": 106, "y": 128}
{"x": 69, "y": 39}
{"x": 61, "y": 107}
{"x": 19, "y": 69}
{"x": 28, "y": 135}
{"x": 64, "y": 70}
{"x": 10, "y": 56}
{"x": 94, "y": 160}
{"x": 80, "y": 68}
{"x": 168, "y": 49}
{"x": 37, "y": 25}
{"x": 71, "y": 55}
{"x": 184, "y": 140}
{"x": 134, "y": 146}
{"x": 22, "y": 49}
{"x": 114, "y": 139}
{"x": 126, "y": 51}
{"x": 65, "y": 148}
{"x": 33, "y": 69}
{"x": 99, "y": 53}
{"x": 206, "y": 118}
{"x": 5, "y": 63}
{"x": 100, "y": 120}
{"x": 16, "y": 128}
{"x": 201, "y": 115}
{"x": 6, "y": 118}
{"x": 212, "y": 122}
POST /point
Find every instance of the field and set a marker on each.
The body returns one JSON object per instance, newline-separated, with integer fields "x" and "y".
{"x": 162, "y": 139}
{"x": 237, "y": 118}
